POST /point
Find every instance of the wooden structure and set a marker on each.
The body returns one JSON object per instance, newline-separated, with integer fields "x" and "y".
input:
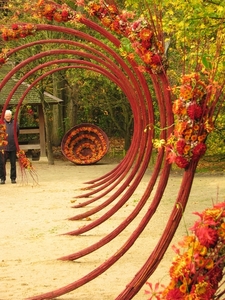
{"x": 31, "y": 99}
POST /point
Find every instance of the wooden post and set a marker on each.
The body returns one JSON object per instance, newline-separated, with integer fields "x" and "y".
{"x": 42, "y": 131}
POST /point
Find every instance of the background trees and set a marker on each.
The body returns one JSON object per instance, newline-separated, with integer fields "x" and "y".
{"x": 193, "y": 32}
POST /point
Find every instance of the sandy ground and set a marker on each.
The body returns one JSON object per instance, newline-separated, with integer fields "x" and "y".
{"x": 34, "y": 218}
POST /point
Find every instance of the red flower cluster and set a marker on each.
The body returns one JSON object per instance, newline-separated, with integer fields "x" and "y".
{"x": 192, "y": 123}
{"x": 53, "y": 11}
{"x": 17, "y": 31}
{"x": 197, "y": 272}
{"x": 194, "y": 111}
{"x": 139, "y": 33}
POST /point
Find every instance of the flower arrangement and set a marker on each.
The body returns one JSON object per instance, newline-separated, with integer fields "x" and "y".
{"x": 142, "y": 37}
{"x": 26, "y": 165}
{"x": 53, "y": 11}
{"x": 84, "y": 144}
{"x": 17, "y": 31}
{"x": 24, "y": 162}
{"x": 3, "y": 135}
{"x": 196, "y": 273}
{"x": 193, "y": 120}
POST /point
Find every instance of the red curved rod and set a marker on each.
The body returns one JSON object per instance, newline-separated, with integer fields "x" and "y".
{"x": 40, "y": 55}
{"x": 28, "y": 74}
{"x": 156, "y": 256}
{"x": 27, "y": 61}
{"x": 139, "y": 127}
{"x": 127, "y": 220}
{"x": 92, "y": 274}
{"x": 132, "y": 187}
{"x": 85, "y": 36}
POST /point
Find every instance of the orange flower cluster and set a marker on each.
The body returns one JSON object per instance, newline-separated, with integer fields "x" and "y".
{"x": 197, "y": 272}
{"x": 53, "y": 11}
{"x": 84, "y": 145}
{"x": 3, "y": 135}
{"x": 24, "y": 162}
{"x": 17, "y": 31}
{"x": 192, "y": 122}
{"x": 139, "y": 32}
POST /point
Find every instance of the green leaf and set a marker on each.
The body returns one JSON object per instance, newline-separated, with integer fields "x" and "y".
{"x": 206, "y": 63}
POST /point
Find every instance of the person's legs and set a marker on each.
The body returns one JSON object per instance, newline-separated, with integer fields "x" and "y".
{"x": 12, "y": 158}
{"x": 3, "y": 158}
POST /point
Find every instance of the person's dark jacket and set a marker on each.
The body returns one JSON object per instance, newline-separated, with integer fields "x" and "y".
{"x": 11, "y": 146}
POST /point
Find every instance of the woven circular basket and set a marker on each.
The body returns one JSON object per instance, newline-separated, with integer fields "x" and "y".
{"x": 85, "y": 144}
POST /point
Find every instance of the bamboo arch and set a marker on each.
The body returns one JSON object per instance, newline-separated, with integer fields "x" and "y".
{"x": 126, "y": 75}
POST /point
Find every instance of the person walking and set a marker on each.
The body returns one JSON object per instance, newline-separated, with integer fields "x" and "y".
{"x": 9, "y": 151}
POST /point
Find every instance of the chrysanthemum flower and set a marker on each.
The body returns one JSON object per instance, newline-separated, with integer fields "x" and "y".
{"x": 199, "y": 150}
{"x": 194, "y": 111}
{"x": 207, "y": 236}
{"x": 106, "y": 21}
{"x": 181, "y": 162}
{"x": 156, "y": 59}
{"x": 177, "y": 106}
{"x": 186, "y": 92}
{"x": 180, "y": 146}
{"x": 147, "y": 57}
{"x": 145, "y": 34}
{"x": 175, "y": 294}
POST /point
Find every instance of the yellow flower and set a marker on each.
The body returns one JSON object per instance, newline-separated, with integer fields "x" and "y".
{"x": 202, "y": 250}
{"x": 183, "y": 288}
{"x": 196, "y": 127}
{"x": 201, "y": 288}
{"x": 177, "y": 106}
{"x": 186, "y": 149}
{"x": 208, "y": 126}
{"x": 194, "y": 137}
{"x": 186, "y": 92}
{"x": 209, "y": 265}
{"x": 106, "y": 21}
{"x": 200, "y": 262}
{"x": 48, "y": 9}
{"x": 188, "y": 131}
{"x": 221, "y": 232}
{"x": 158, "y": 143}
{"x": 214, "y": 213}
{"x": 180, "y": 127}
{"x": 147, "y": 57}
{"x": 190, "y": 297}
{"x": 202, "y": 137}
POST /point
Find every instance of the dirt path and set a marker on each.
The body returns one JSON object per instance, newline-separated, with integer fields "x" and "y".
{"x": 33, "y": 217}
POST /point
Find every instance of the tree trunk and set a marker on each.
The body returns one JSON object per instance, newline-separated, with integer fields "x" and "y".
{"x": 71, "y": 107}
{"x": 57, "y": 113}
{"x": 45, "y": 108}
